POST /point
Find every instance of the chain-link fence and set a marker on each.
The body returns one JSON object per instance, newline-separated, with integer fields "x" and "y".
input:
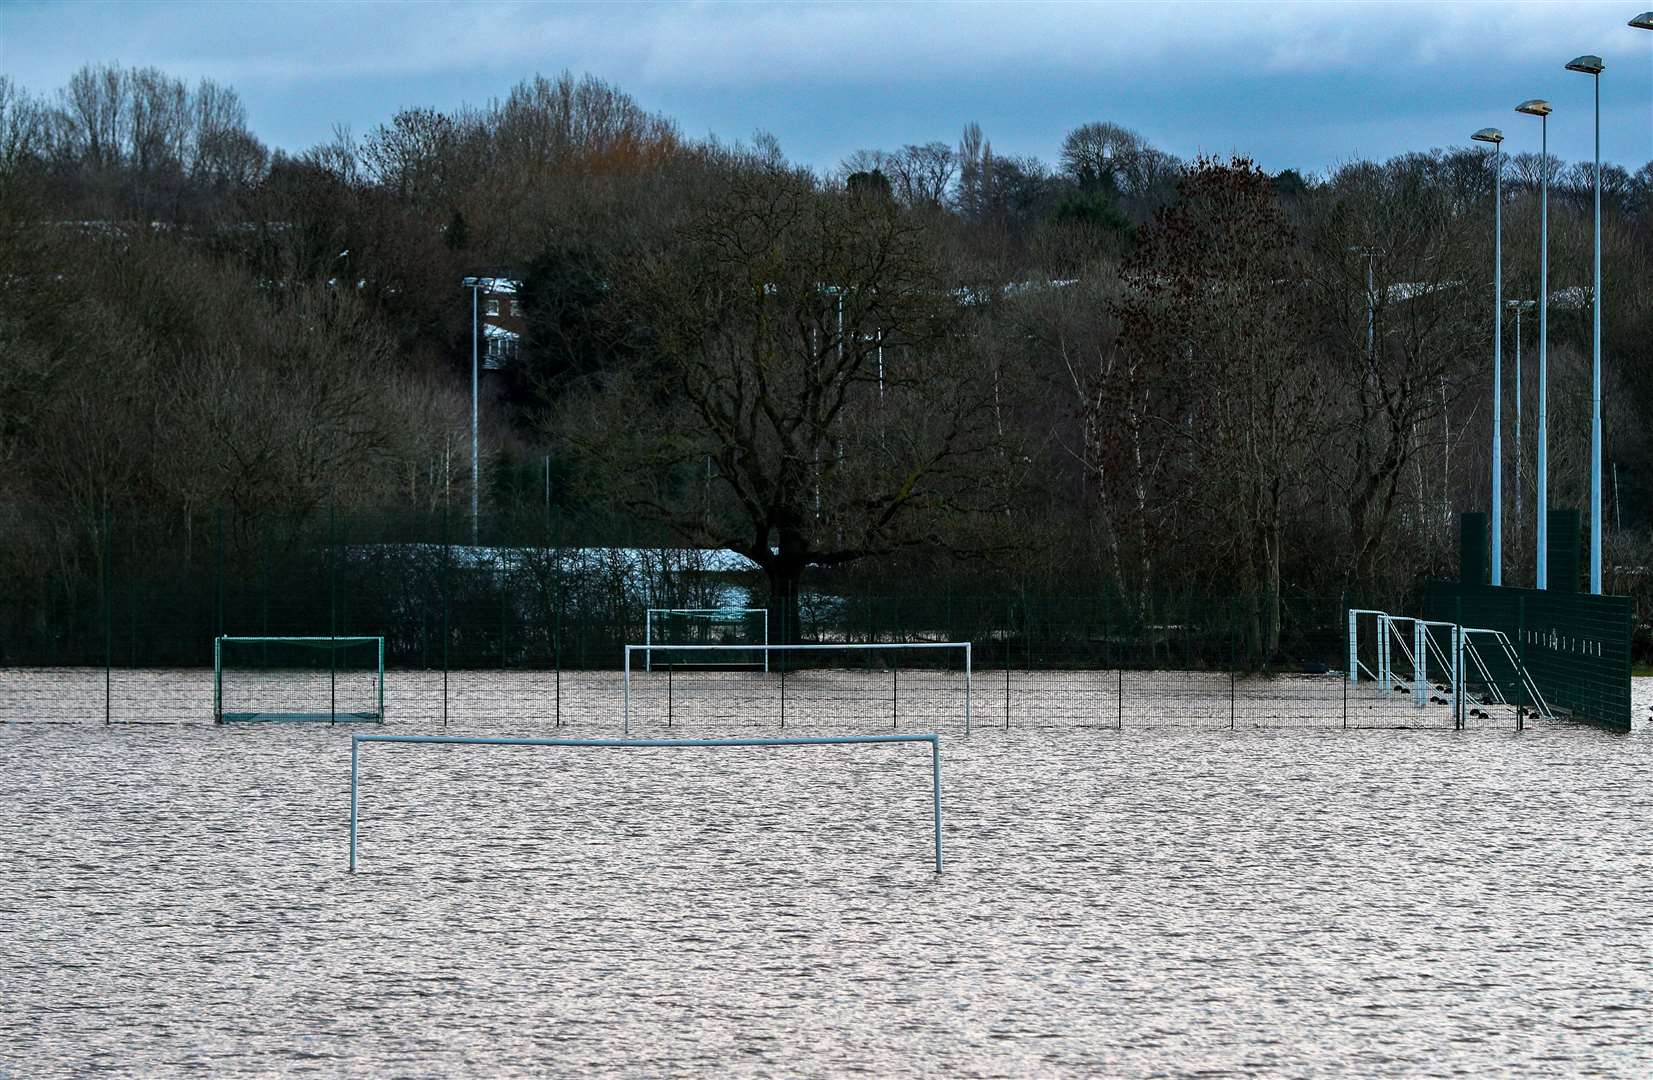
{"x": 554, "y": 594}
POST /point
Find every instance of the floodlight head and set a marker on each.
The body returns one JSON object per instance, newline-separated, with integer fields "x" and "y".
{"x": 1535, "y": 107}
{"x": 1589, "y": 65}
{"x": 1489, "y": 135}
{"x": 1644, "y": 21}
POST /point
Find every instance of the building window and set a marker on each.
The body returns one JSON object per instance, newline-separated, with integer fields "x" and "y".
{"x": 492, "y": 307}
{"x": 516, "y": 307}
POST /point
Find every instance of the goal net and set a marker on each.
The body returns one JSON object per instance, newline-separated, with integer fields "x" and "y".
{"x": 299, "y": 679}
{"x": 684, "y": 628}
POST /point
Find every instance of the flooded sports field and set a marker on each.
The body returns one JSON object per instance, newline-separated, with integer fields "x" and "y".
{"x": 1145, "y": 878}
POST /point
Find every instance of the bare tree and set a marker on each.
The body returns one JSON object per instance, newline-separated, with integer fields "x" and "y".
{"x": 23, "y": 127}
{"x": 1403, "y": 357}
{"x": 806, "y": 406}
{"x": 410, "y": 156}
{"x": 975, "y": 163}
{"x": 922, "y": 174}
{"x": 1099, "y": 153}
{"x": 1214, "y": 307}
{"x": 93, "y": 116}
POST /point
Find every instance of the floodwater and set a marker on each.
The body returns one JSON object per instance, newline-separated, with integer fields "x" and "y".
{"x": 1135, "y": 891}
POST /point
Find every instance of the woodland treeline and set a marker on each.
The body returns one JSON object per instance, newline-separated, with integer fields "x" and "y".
{"x": 936, "y": 367}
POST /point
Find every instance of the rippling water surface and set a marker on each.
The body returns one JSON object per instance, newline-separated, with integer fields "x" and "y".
{"x": 1157, "y": 901}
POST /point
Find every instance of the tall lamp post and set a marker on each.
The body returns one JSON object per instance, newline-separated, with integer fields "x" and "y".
{"x": 1518, "y": 306}
{"x": 1369, "y": 253}
{"x": 475, "y": 285}
{"x": 1541, "y": 109}
{"x": 1495, "y": 137}
{"x": 1591, "y": 66}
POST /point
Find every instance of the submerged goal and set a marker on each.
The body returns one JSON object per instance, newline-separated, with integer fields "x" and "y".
{"x": 316, "y": 679}
{"x": 1403, "y": 654}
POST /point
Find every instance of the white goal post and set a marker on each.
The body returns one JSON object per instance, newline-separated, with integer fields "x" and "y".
{"x": 961, "y": 647}
{"x": 1435, "y": 649}
{"x": 709, "y": 619}
{"x": 1402, "y": 648}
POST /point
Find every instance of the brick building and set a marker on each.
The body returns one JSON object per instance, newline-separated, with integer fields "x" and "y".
{"x": 499, "y": 314}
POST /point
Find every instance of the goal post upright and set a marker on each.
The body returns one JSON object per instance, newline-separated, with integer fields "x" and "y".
{"x": 218, "y": 679}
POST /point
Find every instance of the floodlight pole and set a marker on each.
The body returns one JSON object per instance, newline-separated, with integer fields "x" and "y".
{"x": 1369, "y": 254}
{"x": 1592, "y": 66}
{"x": 1496, "y": 138}
{"x": 475, "y": 472}
{"x": 1543, "y": 559}
{"x": 1498, "y": 365}
{"x": 1541, "y": 109}
{"x": 1595, "y": 374}
{"x": 1543, "y": 578}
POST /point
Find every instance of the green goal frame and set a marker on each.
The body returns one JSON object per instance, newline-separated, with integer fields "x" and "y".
{"x": 332, "y": 715}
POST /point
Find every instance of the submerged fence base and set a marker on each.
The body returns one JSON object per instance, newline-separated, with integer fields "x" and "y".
{"x": 461, "y": 740}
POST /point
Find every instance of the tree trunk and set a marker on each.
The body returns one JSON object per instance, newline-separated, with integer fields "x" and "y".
{"x": 785, "y": 571}
{"x": 783, "y": 607}
{"x": 1271, "y": 639}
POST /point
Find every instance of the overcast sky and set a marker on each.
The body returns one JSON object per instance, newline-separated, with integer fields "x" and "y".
{"x": 1298, "y": 85}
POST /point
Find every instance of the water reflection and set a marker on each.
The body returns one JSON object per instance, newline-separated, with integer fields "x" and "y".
{"x": 1298, "y": 902}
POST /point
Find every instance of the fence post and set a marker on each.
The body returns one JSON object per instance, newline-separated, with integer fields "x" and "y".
{"x": 895, "y": 680}
{"x": 1520, "y": 663}
{"x": 1231, "y": 698}
{"x": 1463, "y": 676}
{"x": 218, "y": 569}
{"x": 1345, "y": 683}
{"x": 108, "y": 612}
{"x": 332, "y": 616}
{"x": 1348, "y": 648}
{"x": 447, "y": 565}
{"x": 1119, "y": 713}
{"x": 1007, "y": 696}
{"x": 669, "y": 668}
{"x": 935, "y": 774}
{"x": 783, "y": 692}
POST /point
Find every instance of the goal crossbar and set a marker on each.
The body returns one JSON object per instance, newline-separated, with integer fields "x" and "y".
{"x": 961, "y": 646}
{"x": 805, "y": 740}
